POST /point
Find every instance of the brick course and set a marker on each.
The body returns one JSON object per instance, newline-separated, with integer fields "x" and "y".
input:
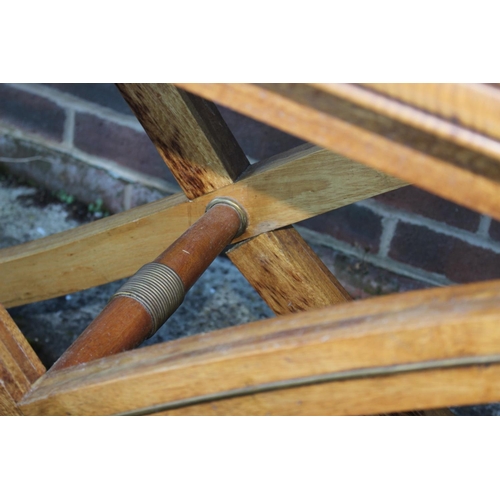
{"x": 124, "y": 145}
{"x": 438, "y": 253}
{"x": 495, "y": 230}
{"x": 258, "y": 141}
{"x": 104, "y": 94}
{"x": 31, "y": 113}
{"x": 417, "y": 201}
{"x": 353, "y": 224}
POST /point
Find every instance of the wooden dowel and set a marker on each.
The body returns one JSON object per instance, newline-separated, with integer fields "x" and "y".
{"x": 146, "y": 301}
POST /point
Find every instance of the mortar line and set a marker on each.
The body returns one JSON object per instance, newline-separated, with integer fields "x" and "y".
{"x": 69, "y": 127}
{"x": 388, "y": 264}
{"x": 115, "y": 170}
{"x": 438, "y": 227}
{"x": 388, "y": 229}
{"x": 77, "y": 104}
{"x": 484, "y": 226}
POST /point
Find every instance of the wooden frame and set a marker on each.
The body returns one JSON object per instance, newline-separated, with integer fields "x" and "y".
{"x": 411, "y": 351}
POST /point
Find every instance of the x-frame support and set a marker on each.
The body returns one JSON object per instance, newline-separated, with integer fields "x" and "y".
{"x": 204, "y": 157}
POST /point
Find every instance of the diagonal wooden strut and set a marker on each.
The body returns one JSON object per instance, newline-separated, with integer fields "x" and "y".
{"x": 190, "y": 135}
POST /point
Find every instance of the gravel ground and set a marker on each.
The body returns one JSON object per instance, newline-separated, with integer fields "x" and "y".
{"x": 221, "y": 298}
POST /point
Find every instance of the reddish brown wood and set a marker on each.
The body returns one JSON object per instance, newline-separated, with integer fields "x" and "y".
{"x": 193, "y": 252}
{"x": 125, "y": 323}
{"x": 122, "y": 325}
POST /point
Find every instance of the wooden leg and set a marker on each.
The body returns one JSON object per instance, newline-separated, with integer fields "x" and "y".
{"x": 19, "y": 365}
{"x": 286, "y": 272}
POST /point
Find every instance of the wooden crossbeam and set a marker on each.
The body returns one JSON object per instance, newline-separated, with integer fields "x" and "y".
{"x": 441, "y": 167}
{"x": 402, "y": 352}
{"x": 317, "y": 181}
{"x": 475, "y": 106}
{"x": 203, "y": 155}
{"x": 449, "y": 128}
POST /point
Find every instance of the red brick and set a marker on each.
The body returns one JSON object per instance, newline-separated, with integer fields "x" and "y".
{"x": 457, "y": 260}
{"x": 259, "y": 141}
{"x": 121, "y": 144}
{"x": 31, "y": 113}
{"x": 105, "y": 94}
{"x": 353, "y": 224}
{"x": 495, "y": 230}
{"x": 412, "y": 199}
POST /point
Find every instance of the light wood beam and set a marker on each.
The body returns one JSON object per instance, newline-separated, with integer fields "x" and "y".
{"x": 401, "y": 352}
{"x": 117, "y": 246}
{"x": 472, "y": 105}
{"x": 448, "y": 128}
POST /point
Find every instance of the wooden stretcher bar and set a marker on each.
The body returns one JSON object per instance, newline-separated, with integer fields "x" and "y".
{"x": 446, "y": 126}
{"x": 401, "y": 352}
{"x": 86, "y": 256}
{"x": 475, "y": 106}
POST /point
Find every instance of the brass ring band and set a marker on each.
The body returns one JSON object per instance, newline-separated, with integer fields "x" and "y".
{"x": 237, "y": 207}
{"x": 158, "y": 288}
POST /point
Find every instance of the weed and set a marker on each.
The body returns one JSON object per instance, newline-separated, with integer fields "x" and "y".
{"x": 61, "y": 195}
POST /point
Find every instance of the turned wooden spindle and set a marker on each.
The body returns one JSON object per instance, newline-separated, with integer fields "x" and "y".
{"x": 148, "y": 299}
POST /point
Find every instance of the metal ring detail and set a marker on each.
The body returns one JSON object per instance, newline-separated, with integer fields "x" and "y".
{"x": 158, "y": 288}
{"x": 237, "y": 207}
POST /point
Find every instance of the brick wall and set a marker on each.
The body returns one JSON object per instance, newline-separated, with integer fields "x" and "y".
{"x": 82, "y": 138}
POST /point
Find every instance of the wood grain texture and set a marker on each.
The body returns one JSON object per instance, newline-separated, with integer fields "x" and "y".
{"x": 457, "y": 174}
{"x": 472, "y": 105}
{"x": 317, "y": 181}
{"x": 8, "y": 407}
{"x": 125, "y": 323}
{"x": 286, "y": 273}
{"x": 19, "y": 365}
{"x": 190, "y": 135}
{"x": 122, "y": 325}
{"x": 164, "y": 112}
{"x": 448, "y": 129}
{"x": 408, "y": 332}
{"x": 397, "y": 392}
